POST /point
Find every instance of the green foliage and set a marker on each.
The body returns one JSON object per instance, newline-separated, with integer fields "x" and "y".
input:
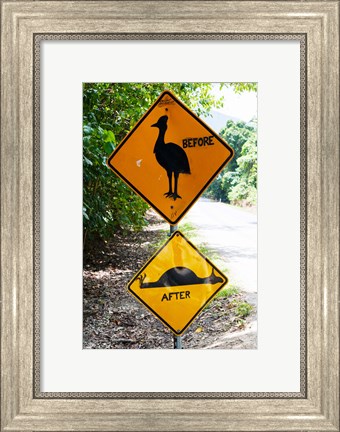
{"x": 109, "y": 113}
{"x": 105, "y": 200}
{"x": 240, "y": 87}
{"x": 244, "y": 182}
{"x": 243, "y": 309}
{"x": 227, "y": 291}
{"x": 237, "y": 183}
{"x": 215, "y": 190}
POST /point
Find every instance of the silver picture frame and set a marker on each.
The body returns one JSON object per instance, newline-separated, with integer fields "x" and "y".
{"x": 315, "y": 25}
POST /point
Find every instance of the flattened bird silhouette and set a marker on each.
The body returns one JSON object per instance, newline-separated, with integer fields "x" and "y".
{"x": 177, "y": 276}
{"x": 171, "y": 157}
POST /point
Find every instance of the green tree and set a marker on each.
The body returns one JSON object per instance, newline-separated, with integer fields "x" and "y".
{"x": 237, "y": 134}
{"x": 244, "y": 181}
{"x": 240, "y": 87}
{"x": 109, "y": 113}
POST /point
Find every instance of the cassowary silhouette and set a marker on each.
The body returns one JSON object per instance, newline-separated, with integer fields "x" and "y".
{"x": 171, "y": 157}
{"x": 177, "y": 276}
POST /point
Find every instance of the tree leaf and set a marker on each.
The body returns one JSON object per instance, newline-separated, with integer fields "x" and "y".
{"x": 108, "y": 147}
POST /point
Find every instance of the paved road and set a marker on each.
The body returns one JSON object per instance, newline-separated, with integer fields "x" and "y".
{"x": 232, "y": 233}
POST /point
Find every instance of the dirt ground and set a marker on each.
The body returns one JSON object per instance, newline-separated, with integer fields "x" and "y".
{"x": 113, "y": 318}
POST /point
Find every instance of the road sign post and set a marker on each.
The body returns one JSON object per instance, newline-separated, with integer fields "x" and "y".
{"x": 169, "y": 158}
{"x": 177, "y": 339}
{"x": 173, "y": 228}
{"x": 178, "y": 342}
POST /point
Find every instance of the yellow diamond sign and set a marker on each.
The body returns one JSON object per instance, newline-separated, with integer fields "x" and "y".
{"x": 177, "y": 283}
{"x": 170, "y": 157}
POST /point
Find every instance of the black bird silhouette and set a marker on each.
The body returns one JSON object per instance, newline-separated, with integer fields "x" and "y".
{"x": 177, "y": 276}
{"x": 171, "y": 157}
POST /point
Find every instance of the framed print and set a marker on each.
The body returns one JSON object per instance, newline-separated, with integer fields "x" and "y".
{"x": 56, "y": 89}
{"x": 291, "y": 380}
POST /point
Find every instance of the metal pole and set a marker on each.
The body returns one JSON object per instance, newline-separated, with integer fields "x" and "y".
{"x": 177, "y": 339}
{"x": 173, "y": 228}
{"x": 178, "y": 342}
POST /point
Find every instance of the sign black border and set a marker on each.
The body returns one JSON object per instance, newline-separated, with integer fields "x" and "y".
{"x": 177, "y": 332}
{"x": 140, "y": 121}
